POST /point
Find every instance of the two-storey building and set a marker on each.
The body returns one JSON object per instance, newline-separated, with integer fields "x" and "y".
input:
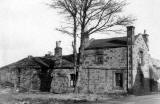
{"x": 119, "y": 63}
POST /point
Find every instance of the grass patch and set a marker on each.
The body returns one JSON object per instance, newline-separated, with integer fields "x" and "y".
{"x": 50, "y": 101}
{"x": 46, "y": 99}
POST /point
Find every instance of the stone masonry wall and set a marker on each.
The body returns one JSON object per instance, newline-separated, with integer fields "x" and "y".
{"x": 61, "y": 81}
{"x": 29, "y": 79}
{"x": 8, "y": 76}
{"x": 143, "y": 70}
{"x": 114, "y": 58}
{"x": 100, "y": 78}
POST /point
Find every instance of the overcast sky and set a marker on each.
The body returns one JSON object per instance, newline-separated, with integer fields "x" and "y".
{"x": 27, "y": 27}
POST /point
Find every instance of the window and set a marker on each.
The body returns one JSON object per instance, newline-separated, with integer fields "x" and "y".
{"x": 72, "y": 80}
{"x": 141, "y": 61}
{"x": 119, "y": 79}
{"x": 99, "y": 59}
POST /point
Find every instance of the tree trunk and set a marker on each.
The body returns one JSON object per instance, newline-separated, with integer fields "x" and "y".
{"x": 75, "y": 50}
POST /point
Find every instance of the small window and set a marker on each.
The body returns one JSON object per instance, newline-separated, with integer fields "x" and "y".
{"x": 99, "y": 59}
{"x": 119, "y": 79}
{"x": 72, "y": 80}
{"x": 141, "y": 58}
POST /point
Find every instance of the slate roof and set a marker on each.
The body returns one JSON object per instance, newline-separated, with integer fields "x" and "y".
{"x": 67, "y": 62}
{"x": 69, "y": 58}
{"x": 109, "y": 43}
{"x": 41, "y": 62}
{"x": 46, "y": 62}
{"x": 31, "y": 62}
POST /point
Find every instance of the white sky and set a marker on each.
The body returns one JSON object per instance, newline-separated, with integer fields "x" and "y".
{"x": 27, "y": 27}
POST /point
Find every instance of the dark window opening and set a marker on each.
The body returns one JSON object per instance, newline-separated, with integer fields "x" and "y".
{"x": 99, "y": 52}
{"x": 119, "y": 79}
{"x": 99, "y": 59}
{"x": 45, "y": 82}
{"x": 141, "y": 58}
{"x": 72, "y": 80}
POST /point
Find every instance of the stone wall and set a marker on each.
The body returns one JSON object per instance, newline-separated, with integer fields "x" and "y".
{"x": 61, "y": 81}
{"x": 114, "y": 58}
{"x": 141, "y": 74}
{"x": 100, "y": 78}
{"x": 32, "y": 79}
{"x": 59, "y": 84}
{"x": 8, "y": 76}
{"x": 29, "y": 79}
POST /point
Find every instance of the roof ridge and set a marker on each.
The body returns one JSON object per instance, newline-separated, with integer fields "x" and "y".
{"x": 113, "y": 37}
{"x": 110, "y": 38}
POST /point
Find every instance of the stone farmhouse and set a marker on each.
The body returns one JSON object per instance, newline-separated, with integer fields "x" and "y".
{"x": 110, "y": 65}
{"x": 119, "y": 63}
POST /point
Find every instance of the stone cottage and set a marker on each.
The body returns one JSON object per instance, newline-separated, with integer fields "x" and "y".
{"x": 50, "y": 73}
{"x": 117, "y": 64}
{"x": 28, "y": 74}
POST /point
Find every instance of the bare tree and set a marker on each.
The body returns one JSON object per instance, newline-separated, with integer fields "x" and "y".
{"x": 100, "y": 16}
{"x": 95, "y": 16}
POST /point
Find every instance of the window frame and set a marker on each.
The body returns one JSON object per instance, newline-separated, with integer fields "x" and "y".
{"x": 119, "y": 81}
{"x": 99, "y": 59}
{"x": 141, "y": 57}
{"x": 72, "y": 80}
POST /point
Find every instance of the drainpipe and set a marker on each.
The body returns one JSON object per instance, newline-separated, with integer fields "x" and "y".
{"x": 127, "y": 66}
{"x": 88, "y": 80}
{"x": 130, "y": 43}
{"x": 19, "y": 79}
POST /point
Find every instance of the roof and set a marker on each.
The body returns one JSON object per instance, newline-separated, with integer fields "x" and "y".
{"x": 41, "y": 62}
{"x": 67, "y": 62}
{"x": 31, "y": 62}
{"x": 109, "y": 43}
{"x": 46, "y": 62}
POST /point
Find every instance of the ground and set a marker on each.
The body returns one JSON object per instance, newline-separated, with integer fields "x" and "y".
{"x": 8, "y": 97}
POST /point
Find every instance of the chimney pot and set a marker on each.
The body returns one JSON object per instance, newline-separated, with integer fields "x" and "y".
{"x": 30, "y": 56}
{"x": 144, "y": 31}
{"x": 58, "y": 49}
{"x": 58, "y": 43}
{"x": 145, "y": 37}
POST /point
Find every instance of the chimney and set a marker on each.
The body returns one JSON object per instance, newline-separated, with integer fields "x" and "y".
{"x": 58, "y": 50}
{"x": 30, "y": 56}
{"x": 145, "y": 37}
{"x": 58, "y": 54}
{"x": 130, "y": 35}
